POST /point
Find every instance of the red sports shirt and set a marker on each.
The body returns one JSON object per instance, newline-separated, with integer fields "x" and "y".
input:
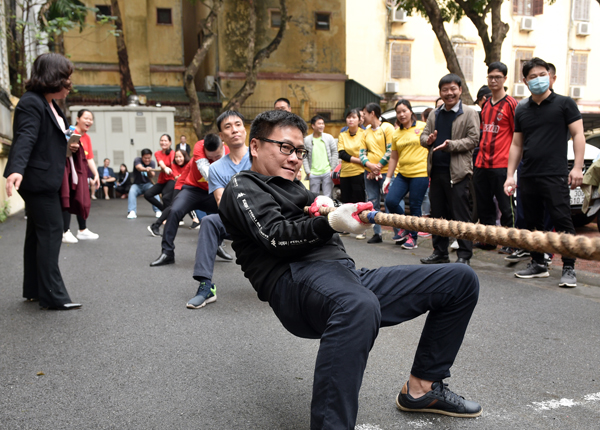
{"x": 168, "y": 160}
{"x": 497, "y": 128}
{"x": 86, "y": 142}
{"x": 194, "y": 177}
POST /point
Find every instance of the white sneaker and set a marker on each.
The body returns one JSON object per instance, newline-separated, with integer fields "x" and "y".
{"x": 68, "y": 237}
{"x": 94, "y": 197}
{"x": 157, "y": 214}
{"x": 87, "y": 235}
{"x": 361, "y": 236}
{"x": 131, "y": 215}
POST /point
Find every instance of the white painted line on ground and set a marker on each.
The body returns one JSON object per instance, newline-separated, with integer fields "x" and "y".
{"x": 367, "y": 427}
{"x": 564, "y": 403}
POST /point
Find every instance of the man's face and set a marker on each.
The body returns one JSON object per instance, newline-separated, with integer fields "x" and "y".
{"x": 106, "y": 162}
{"x": 450, "y": 94}
{"x": 214, "y": 155}
{"x": 496, "y": 80}
{"x": 233, "y": 132}
{"x": 267, "y": 158}
{"x": 183, "y": 139}
{"x": 281, "y": 105}
{"x": 536, "y": 72}
{"x": 146, "y": 159}
{"x": 318, "y": 126}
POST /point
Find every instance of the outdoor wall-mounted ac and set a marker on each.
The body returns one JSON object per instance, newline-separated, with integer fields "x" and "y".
{"x": 399, "y": 15}
{"x": 527, "y": 23}
{"x": 392, "y": 87}
{"x": 209, "y": 83}
{"x": 520, "y": 90}
{"x": 576, "y": 92}
{"x": 583, "y": 29}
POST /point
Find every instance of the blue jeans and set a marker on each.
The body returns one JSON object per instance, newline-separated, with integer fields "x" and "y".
{"x": 417, "y": 187}
{"x": 135, "y": 191}
{"x": 373, "y": 187}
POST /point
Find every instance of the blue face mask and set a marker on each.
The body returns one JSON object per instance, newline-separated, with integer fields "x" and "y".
{"x": 539, "y": 85}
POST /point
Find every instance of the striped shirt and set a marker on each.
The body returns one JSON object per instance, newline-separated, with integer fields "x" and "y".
{"x": 497, "y": 128}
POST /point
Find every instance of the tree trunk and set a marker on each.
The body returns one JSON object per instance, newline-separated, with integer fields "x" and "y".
{"x": 493, "y": 46}
{"x": 435, "y": 18}
{"x": 255, "y": 61}
{"x": 127, "y": 87}
{"x": 209, "y": 34}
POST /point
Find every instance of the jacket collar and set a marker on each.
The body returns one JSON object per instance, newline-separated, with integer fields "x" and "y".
{"x": 49, "y": 110}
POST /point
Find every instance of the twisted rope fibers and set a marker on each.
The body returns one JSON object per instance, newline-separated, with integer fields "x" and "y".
{"x": 568, "y": 245}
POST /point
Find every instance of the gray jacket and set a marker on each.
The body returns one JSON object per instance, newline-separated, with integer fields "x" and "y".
{"x": 332, "y": 151}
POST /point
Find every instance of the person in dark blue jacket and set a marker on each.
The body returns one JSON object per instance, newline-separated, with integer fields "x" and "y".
{"x": 35, "y": 168}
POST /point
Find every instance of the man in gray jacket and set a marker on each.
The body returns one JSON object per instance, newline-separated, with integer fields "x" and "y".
{"x": 451, "y": 134}
{"x": 322, "y": 157}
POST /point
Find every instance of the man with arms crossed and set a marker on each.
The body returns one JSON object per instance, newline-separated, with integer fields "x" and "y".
{"x": 541, "y": 135}
{"x": 299, "y": 265}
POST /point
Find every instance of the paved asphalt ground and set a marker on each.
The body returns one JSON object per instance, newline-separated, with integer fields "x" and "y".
{"x": 135, "y": 358}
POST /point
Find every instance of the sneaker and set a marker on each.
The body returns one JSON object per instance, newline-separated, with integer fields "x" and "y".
{"x": 568, "y": 278}
{"x": 94, "y": 197}
{"x": 454, "y": 245}
{"x": 204, "y": 296}
{"x": 440, "y": 400}
{"x": 87, "y": 235}
{"x": 68, "y": 237}
{"x": 106, "y": 198}
{"x": 131, "y": 215}
{"x": 361, "y": 237}
{"x": 344, "y": 233}
{"x": 518, "y": 255}
{"x": 548, "y": 259}
{"x": 410, "y": 243}
{"x": 401, "y": 237}
{"x": 533, "y": 270}
{"x": 423, "y": 234}
{"x": 154, "y": 230}
{"x": 194, "y": 225}
{"x": 506, "y": 250}
{"x": 375, "y": 239}
{"x": 157, "y": 214}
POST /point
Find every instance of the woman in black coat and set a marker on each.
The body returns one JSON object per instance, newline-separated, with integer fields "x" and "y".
{"x": 35, "y": 167}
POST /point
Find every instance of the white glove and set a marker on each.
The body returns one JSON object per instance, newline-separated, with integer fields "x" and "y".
{"x": 386, "y": 184}
{"x": 345, "y": 218}
{"x": 320, "y": 202}
{"x": 168, "y": 170}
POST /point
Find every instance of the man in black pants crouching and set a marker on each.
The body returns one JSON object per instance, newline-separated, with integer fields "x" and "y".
{"x": 299, "y": 265}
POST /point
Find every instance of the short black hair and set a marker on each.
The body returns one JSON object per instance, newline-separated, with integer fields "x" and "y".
{"x": 146, "y": 151}
{"x": 534, "y": 62}
{"x": 373, "y": 108}
{"x": 483, "y": 92}
{"x": 408, "y": 106}
{"x": 82, "y": 111}
{"x": 50, "y": 73}
{"x": 283, "y": 99}
{"x": 500, "y": 66}
{"x": 212, "y": 142}
{"x": 354, "y": 111}
{"x": 226, "y": 115}
{"x": 264, "y": 123}
{"x": 437, "y": 100}
{"x": 450, "y": 78}
{"x": 315, "y": 118}
{"x": 551, "y": 68}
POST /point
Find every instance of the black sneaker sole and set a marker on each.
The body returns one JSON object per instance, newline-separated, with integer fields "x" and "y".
{"x": 436, "y": 411}
{"x": 536, "y": 275}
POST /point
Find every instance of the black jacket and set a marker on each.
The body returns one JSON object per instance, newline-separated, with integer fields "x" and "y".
{"x": 39, "y": 147}
{"x": 265, "y": 217}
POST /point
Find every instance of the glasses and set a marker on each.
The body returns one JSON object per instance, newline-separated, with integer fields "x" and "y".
{"x": 495, "y": 78}
{"x": 287, "y": 148}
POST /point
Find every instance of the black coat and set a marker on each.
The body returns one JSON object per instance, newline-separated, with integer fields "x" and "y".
{"x": 39, "y": 147}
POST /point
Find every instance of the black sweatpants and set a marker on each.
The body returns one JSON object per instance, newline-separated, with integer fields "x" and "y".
{"x": 450, "y": 201}
{"x": 489, "y": 183}
{"x": 345, "y": 307}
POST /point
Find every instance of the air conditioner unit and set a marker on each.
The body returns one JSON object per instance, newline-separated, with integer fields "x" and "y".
{"x": 583, "y": 29}
{"x": 576, "y": 92}
{"x": 392, "y": 87}
{"x": 520, "y": 90}
{"x": 527, "y": 23}
{"x": 399, "y": 15}
{"x": 209, "y": 83}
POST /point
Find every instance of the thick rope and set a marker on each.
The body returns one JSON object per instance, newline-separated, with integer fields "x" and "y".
{"x": 565, "y": 244}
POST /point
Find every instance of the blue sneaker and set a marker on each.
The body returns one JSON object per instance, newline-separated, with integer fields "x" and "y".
{"x": 204, "y": 296}
{"x": 401, "y": 237}
{"x": 410, "y": 243}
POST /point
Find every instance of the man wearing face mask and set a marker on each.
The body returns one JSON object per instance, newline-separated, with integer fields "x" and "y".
{"x": 541, "y": 134}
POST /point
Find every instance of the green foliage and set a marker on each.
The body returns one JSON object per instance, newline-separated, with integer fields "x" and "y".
{"x": 4, "y": 211}
{"x": 449, "y": 9}
{"x": 63, "y": 15}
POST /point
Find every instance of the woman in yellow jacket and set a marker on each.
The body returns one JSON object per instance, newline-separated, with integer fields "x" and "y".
{"x": 409, "y": 160}
{"x": 352, "y": 174}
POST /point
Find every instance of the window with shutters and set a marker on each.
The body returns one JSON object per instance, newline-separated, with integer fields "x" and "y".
{"x": 581, "y": 10}
{"x": 520, "y": 58}
{"x": 579, "y": 68}
{"x": 528, "y": 7}
{"x": 464, "y": 55}
{"x": 275, "y": 18}
{"x": 400, "y": 61}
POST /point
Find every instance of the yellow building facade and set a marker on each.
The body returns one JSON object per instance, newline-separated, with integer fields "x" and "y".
{"x": 385, "y": 47}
